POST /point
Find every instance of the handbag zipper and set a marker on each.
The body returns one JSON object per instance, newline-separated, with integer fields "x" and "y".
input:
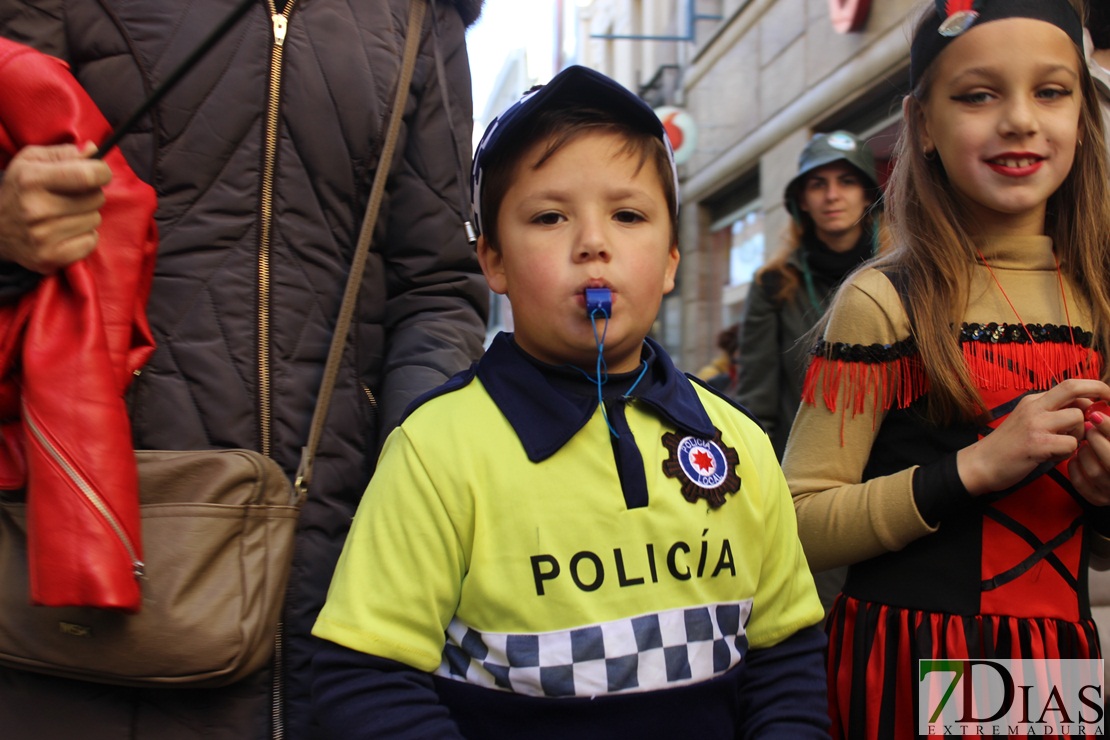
{"x": 94, "y": 498}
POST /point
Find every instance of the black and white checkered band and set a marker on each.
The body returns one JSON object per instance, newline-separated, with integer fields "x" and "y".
{"x": 645, "y": 653}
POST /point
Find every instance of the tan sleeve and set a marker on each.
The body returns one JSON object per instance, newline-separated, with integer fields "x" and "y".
{"x": 841, "y": 520}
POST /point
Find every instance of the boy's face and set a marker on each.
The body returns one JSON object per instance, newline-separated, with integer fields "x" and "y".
{"x": 589, "y": 217}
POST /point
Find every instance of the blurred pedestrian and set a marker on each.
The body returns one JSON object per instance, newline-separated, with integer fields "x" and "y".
{"x": 833, "y": 230}
{"x": 721, "y": 374}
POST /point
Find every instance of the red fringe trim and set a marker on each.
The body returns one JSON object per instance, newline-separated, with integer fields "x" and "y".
{"x": 847, "y": 386}
{"x": 1028, "y": 366}
{"x": 896, "y": 384}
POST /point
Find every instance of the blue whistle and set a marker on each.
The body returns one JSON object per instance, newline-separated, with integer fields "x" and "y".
{"x": 599, "y": 299}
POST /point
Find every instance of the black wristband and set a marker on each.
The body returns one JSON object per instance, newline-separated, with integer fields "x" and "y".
{"x": 938, "y": 491}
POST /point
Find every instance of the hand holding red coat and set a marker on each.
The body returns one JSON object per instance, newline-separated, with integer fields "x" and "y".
{"x": 68, "y": 350}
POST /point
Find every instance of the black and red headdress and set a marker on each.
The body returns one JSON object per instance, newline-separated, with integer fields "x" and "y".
{"x": 954, "y": 17}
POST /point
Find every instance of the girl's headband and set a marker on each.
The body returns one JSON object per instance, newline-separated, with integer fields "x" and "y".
{"x": 953, "y": 17}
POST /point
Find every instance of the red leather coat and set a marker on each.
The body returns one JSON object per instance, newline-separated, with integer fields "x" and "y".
{"x": 68, "y": 350}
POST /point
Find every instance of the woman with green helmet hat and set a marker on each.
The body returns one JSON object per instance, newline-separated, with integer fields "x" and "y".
{"x": 834, "y": 229}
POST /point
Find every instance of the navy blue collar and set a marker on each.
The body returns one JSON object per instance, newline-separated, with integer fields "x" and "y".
{"x": 546, "y": 414}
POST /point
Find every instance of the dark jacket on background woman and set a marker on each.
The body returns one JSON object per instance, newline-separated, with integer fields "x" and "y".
{"x": 773, "y": 355}
{"x": 262, "y": 159}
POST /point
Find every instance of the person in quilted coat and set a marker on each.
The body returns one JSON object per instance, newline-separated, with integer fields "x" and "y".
{"x": 262, "y": 159}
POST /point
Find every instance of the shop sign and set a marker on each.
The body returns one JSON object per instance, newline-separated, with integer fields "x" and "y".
{"x": 681, "y": 130}
{"x": 849, "y": 15}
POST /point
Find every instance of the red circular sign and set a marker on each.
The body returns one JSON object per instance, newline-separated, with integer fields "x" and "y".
{"x": 849, "y": 15}
{"x": 681, "y": 130}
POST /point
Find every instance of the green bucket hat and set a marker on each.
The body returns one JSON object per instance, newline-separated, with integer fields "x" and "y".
{"x": 825, "y": 149}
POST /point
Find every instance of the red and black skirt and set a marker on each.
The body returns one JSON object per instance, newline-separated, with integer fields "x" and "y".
{"x": 874, "y": 650}
{"x": 1005, "y": 579}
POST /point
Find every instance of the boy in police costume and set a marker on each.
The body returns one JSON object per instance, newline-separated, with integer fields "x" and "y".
{"x": 574, "y": 539}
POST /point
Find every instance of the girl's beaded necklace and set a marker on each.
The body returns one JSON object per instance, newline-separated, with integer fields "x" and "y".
{"x": 1051, "y": 373}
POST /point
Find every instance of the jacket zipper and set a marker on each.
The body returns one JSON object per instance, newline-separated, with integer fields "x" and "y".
{"x": 280, "y": 23}
{"x": 94, "y": 498}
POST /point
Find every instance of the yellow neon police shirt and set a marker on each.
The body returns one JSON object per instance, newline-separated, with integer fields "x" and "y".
{"x": 460, "y": 533}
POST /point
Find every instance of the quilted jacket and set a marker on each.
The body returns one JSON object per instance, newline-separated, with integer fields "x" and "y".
{"x": 262, "y": 159}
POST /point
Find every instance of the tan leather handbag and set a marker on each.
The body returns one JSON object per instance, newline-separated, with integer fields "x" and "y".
{"x": 217, "y": 527}
{"x": 217, "y": 532}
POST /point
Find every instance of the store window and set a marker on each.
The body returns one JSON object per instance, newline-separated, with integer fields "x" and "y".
{"x": 747, "y": 247}
{"x": 739, "y": 244}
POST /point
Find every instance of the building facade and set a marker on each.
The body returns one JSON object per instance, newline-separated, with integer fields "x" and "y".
{"x": 757, "y": 78}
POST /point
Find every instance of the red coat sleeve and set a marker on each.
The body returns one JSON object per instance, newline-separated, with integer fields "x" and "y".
{"x": 68, "y": 350}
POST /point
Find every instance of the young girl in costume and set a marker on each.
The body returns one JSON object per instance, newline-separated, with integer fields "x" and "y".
{"x": 951, "y": 447}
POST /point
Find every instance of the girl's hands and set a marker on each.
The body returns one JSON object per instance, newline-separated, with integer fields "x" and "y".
{"x": 1089, "y": 470}
{"x": 1043, "y": 427}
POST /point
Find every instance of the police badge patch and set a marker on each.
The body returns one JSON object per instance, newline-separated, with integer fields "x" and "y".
{"x": 706, "y": 468}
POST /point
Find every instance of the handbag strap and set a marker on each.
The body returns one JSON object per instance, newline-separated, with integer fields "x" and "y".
{"x": 343, "y": 324}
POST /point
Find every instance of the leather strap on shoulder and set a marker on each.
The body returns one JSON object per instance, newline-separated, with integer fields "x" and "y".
{"x": 343, "y": 324}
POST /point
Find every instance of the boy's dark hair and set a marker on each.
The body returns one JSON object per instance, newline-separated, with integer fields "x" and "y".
{"x": 559, "y": 127}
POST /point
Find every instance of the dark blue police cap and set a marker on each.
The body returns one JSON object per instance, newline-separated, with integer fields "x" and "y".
{"x": 574, "y": 87}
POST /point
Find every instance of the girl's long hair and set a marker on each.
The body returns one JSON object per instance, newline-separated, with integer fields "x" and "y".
{"x": 933, "y": 247}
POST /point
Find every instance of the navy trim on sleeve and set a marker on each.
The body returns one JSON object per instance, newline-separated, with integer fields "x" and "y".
{"x": 355, "y": 695}
{"x": 783, "y": 691}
